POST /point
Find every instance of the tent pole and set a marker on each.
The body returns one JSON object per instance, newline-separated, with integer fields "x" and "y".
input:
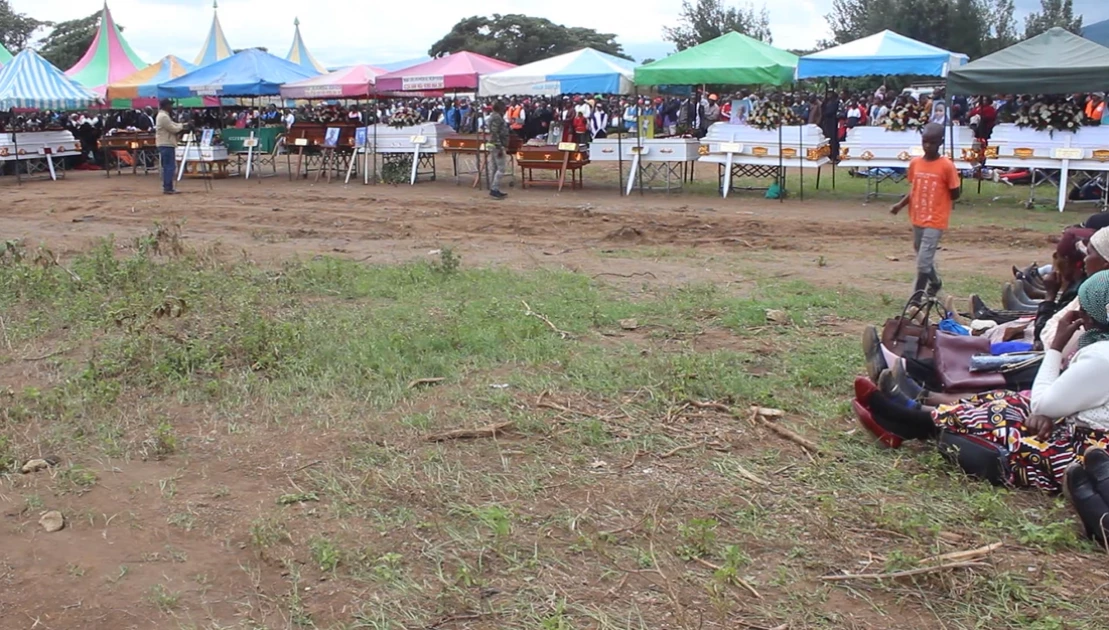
{"x": 620, "y": 151}
{"x": 377, "y": 121}
{"x": 801, "y": 158}
{"x": 800, "y": 147}
{"x": 781, "y": 169}
{"x": 15, "y": 140}
{"x": 638, "y": 142}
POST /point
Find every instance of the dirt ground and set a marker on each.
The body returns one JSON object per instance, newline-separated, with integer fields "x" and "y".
{"x": 634, "y": 243}
{"x": 676, "y": 238}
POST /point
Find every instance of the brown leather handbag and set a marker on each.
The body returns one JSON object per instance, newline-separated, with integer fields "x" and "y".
{"x": 952, "y": 360}
{"x": 911, "y": 337}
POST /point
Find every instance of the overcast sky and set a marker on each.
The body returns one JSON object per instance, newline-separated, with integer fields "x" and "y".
{"x": 343, "y": 32}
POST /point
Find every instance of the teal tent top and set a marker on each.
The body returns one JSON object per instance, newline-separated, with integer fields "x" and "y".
{"x": 731, "y": 59}
{"x": 5, "y": 56}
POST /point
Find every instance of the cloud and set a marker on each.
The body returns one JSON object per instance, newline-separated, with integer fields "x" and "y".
{"x": 340, "y": 32}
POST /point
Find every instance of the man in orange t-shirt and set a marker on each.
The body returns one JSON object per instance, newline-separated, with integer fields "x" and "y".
{"x": 933, "y": 188}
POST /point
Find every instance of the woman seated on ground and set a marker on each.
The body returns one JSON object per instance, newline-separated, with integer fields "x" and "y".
{"x": 915, "y": 376}
{"x": 1034, "y": 437}
{"x": 1060, "y": 286}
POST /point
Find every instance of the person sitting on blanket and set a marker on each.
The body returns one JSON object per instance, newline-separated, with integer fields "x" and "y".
{"x": 1027, "y": 439}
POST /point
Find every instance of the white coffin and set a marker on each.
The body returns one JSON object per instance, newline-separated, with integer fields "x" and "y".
{"x": 401, "y": 139}
{"x": 36, "y": 144}
{"x": 1013, "y": 147}
{"x": 650, "y": 150}
{"x": 203, "y": 154}
{"x": 800, "y": 145}
{"x": 873, "y": 147}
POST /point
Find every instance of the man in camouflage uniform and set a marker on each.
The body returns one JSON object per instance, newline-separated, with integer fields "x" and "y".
{"x": 498, "y": 137}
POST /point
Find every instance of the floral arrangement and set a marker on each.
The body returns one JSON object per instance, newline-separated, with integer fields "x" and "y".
{"x": 405, "y": 118}
{"x": 906, "y": 117}
{"x": 1050, "y": 117}
{"x": 773, "y": 114}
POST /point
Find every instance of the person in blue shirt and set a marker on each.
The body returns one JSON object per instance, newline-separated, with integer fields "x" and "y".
{"x": 452, "y": 118}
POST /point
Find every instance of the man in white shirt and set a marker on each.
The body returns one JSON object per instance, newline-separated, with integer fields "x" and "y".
{"x": 582, "y": 107}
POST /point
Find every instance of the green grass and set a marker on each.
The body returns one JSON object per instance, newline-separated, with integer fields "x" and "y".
{"x": 611, "y": 504}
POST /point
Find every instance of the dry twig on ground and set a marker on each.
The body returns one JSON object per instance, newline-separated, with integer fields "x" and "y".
{"x": 901, "y": 574}
{"x": 492, "y": 430}
{"x": 425, "y": 381}
{"x": 562, "y": 334}
{"x": 959, "y": 556}
{"x": 763, "y": 416}
{"x": 738, "y": 580}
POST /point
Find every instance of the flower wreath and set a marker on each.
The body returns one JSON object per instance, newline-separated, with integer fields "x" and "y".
{"x": 1050, "y": 117}
{"x": 772, "y": 115}
{"x": 907, "y": 117}
{"x": 405, "y": 118}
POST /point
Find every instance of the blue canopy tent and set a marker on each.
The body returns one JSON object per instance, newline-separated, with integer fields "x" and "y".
{"x": 584, "y": 71}
{"x": 249, "y": 73}
{"x": 29, "y": 81}
{"x": 881, "y": 54}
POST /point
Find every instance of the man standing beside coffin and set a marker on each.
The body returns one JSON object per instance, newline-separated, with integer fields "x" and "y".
{"x": 165, "y": 137}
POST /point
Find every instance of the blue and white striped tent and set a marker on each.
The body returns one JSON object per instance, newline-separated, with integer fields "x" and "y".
{"x": 29, "y": 81}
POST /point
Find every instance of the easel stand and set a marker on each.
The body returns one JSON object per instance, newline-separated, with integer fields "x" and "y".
{"x": 207, "y": 171}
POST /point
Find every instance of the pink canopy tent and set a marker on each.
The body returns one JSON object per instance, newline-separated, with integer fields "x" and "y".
{"x": 352, "y": 82}
{"x": 109, "y": 58}
{"x": 459, "y": 71}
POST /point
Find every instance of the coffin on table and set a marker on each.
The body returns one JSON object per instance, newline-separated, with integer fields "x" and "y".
{"x": 876, "y": 147}
{"x": 1013, "y": 147}
{"x": 551, "y": 157}
{"x": 653, "y": 149}
{"x": 128, "y": 141}
{"x": 202, "y": 154}
{"x": 400, "y": 139}
{"x": 37, "y": 144}
{"x": 800, "y": 145}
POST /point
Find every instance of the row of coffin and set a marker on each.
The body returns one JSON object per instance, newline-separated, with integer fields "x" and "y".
{"x": 800, "y": 146}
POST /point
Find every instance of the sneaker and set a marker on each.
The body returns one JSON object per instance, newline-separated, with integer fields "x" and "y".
{"x": 1091, "y": 508}
{"x": 1096, "y": 462}
{"x": 872, "y": 351}
{"x": 888, "y": 385}
{"x": 905, "y": 383}
{"x": 978, "y": 308}
{"x": 496, "y": 194}
{"x": 169, "y": 192}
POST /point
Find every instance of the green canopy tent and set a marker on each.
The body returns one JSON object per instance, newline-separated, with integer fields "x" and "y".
{"x": 1054, "y": 62}
{"x": 5, "y": 56}
{"x": 731, "y": 59}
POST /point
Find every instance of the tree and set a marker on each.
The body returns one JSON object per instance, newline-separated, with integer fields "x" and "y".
{"x": 15, "y": 28}
{"x": 236, "y": 51}
{"x": 972, "y": 27}
{"x": 1053, "y": 13}
{"x": 68, "y": 41}
{"x": 708, "y": 19}
{"x": 521, "y": 39}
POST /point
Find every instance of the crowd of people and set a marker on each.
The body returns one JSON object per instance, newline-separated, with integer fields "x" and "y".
{"x": 589, "y": 116}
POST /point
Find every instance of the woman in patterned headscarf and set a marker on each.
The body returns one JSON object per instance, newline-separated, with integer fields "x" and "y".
{"x": 1033, "y": 436}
